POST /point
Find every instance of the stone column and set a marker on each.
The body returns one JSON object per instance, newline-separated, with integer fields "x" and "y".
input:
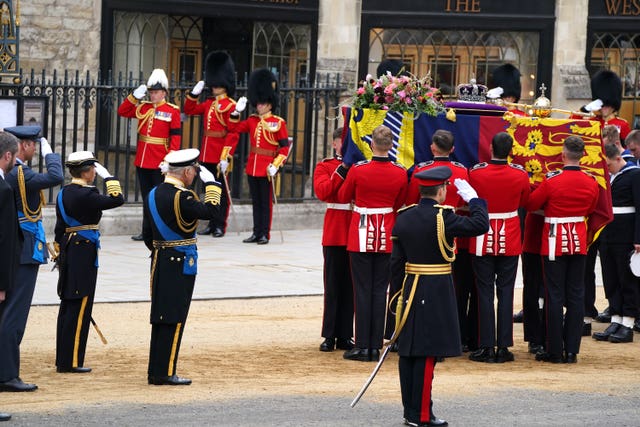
{"x": 571, "y": 82}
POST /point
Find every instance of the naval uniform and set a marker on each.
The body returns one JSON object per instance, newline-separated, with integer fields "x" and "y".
{"x": 171, "y": 214}
{"x": 421, "y": 265}
{"x": 495, "y": 254}
{"x": 617, "y": 242}
{"x": 378, "y": 189}
{"x": 159, "y": 131}
{"x": 79, "y": 209}
{"x": 28, "y": 186}
{"x": 269, "y": 145}
{"x": 567, "y": 197}
{"x": 217, "y": 142}
{"x": 337, "y": 314}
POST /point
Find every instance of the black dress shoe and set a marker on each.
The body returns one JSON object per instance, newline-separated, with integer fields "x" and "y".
{"x": 262, "y": 240}
{"x": 345, "y": 344}
{"x": 17, "y": 385}
{"x": 605, "y": 316}
{"x": 137, "y": 238}
{"x": 4, "y": 416}
{"x": 518, "y": 317}
{"x": 252, "y": 239}
{"x": 604, "y": 335}
{"x": 361, "y": 354}
{"x": 586, "y": 329}
{"x": 76, "y": 370}
{"x": 570, "y": 358}
{"x": 549, "y": 357}
{"x": 328, "y": 344}
{"x": 486, "y": 355}
{"x": 206, "y": 231}
{"x": 623, "y": 334}
{"x": 436, "y": 422}
{"x": 374, "y": 355}
{"x": 218, "y": 232}
{"x": 504, "y": 355}
{"x": 172, "y": 380}
{"x": 536, "y": 348}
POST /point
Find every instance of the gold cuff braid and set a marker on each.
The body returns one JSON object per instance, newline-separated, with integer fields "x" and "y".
{"x": 212, "y": 194}
{"x": 113, "y": 187}
{"x": 279, "y": 160}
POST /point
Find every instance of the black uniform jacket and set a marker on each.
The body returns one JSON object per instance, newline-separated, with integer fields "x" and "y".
{"x": 625, "y": 192}
{"x": 432, "y": 325}
{"x": 34, "y": 182}
{"x": 10, "y": 237}
{"x": 77, "y": 262}
{"x": 171, "y": 289}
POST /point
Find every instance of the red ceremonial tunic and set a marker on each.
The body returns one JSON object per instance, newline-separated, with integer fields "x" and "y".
{"x": 378, "y": 189}
{"x": 505, "y": 187}
{"x": 217, "y": 141}
{"x": 620, "y": 123}
{"x": 338, "y": 215}
{"x": 159, "y": 129}
{"x": 269, "y": 139}
{"x": 457, "y": 171}
{"x": 517, "y": 112}
{"x": 567, "y": 196}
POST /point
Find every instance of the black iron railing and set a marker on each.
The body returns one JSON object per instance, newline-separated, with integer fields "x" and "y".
{"x": 78, "y": 112}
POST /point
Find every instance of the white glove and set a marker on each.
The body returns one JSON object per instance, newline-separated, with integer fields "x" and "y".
{"x": 272, "y": 170}
{"x": 465, "y": 190}
{"x": 140, "y": 92}
{"x": 241, "y": 104}
{"x": 223, "y": 165}
{"x": 197, "y": 89}
{"x": 102, "y": 171}
{"x": 45, "y": 147}
{"x": 494, "y": 93}
{"x": 206, "y": 176}
{"x": 593, "y": 105}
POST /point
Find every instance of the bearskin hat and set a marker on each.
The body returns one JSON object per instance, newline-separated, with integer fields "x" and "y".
{"x": 607, "y": 87}
{"x": 508, "y": 78}
{"x": 394, "y": 66}
{"x": 263, "y": 87}
{"x": 219, "y": 71}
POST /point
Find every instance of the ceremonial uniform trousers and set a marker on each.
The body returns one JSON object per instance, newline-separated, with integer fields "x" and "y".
{"x": 78, "y": 211}
{"x": 170, "y": 220}
{"x": 428, "y": 321}
{"x": 567, "y": 197}
{"x": 377, "y": 189}
{"x": 532, "y": 280}
{"x": 337, "y": 314}
{"x": 590, "y": 309}
{"x": 27, "y": 185}
{"x": 159, "y": 131}
{"x": 217, "y": 143}
{"x": 617, "y": 243}
{"x": 269, "y": 144}
{"x": 495, "y": 254}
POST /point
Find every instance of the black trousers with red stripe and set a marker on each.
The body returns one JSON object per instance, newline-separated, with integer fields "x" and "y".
{"x": 74, "y": 316}
{"x": 416, "y": 378}
{"x": 164, "y": 349}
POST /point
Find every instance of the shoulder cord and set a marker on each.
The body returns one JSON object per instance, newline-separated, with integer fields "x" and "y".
{"x": 31, "y": 216}
{"x": 187, "y": 227}
{"x": 442, "y": 240}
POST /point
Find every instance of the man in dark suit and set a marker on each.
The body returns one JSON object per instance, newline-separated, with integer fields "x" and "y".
{"x": 10, "y": 237}
{"x": 27, "y": 185}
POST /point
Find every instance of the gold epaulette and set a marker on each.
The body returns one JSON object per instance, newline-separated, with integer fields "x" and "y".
{"x": 174, "y": 106}
{"x": 113, "y": 188}
{"x": 405, "y": 208}
{"x": 212, "y": 194}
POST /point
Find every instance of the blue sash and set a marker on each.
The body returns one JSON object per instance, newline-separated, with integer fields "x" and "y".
{"x": 37, "y": 229}
{"x": 190, "y": 264}
{"x": 91, "y": 235}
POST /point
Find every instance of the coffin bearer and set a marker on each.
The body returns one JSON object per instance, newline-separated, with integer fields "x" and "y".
{"x": 507, "y": 78}
{"x": 28, "y": 186}
{"x": 269, "y": 149}
{"x": 218, "y": 144}
{"x": 606, "y": 86}
{"x": 171, "y": 214}
{"x": 159, "y": 129}
{"x": 423, "y": 250}
{"x": 79, "y": 210}
{"x": 337, "y": 314}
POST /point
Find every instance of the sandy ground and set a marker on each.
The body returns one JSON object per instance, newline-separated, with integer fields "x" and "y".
{"x": 243, "y": 349}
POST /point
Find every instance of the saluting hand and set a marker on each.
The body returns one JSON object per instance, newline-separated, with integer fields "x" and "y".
{"x": 465, "y": 190}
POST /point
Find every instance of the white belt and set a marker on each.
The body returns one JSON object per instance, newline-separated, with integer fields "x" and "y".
{"x": 503, "y": 215}
{"x": 372, "y": 211}
{"x": 339, "y": 206}
{"x": 624, "y": 209}
{"x": 553, "y": 233}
